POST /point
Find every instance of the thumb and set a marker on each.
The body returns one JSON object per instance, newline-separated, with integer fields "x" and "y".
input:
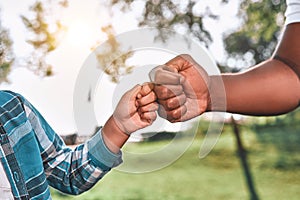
{"x": 170, "y": 68}
{"x": 165, "y": 75}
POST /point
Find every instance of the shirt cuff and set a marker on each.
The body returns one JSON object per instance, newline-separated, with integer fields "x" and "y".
{"x": 101, "y": 155}
{"x": 292, "y": 13}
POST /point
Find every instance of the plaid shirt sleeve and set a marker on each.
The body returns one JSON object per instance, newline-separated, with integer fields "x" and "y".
{"x": 70, "y": 171}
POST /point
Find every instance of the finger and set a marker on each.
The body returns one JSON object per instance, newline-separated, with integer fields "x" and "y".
{"x": 149, "y": 98}
{"x": 164, "y": 67}
{"x": 153, "y": 72}
{"x": 170, "y": 69}
{"x": 148, "y": 108}
{"x": 146, "y": 89}
{"x": 131, "y": 95}
{"x": 134, "y": 92}
{"x": 173, "y": 103}
{"x": 172, "y": 115}
{"x": 149, "y": 116}
{"x": 167, "y": 91}
{"x": 162, "y": 75}
{"x": 180, "y": 62}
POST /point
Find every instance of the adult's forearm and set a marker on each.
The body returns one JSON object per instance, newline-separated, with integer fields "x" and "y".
{"x": 270, "y": 88}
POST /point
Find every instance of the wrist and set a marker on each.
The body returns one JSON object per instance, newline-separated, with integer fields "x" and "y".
{"x": 113, "y": 136}
{"x": 216, "y": 100}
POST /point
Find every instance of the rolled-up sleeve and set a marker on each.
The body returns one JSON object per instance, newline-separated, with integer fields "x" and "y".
{"x": 100, "y": 154}
{"x": 292, "y": 13}
{"x": 71, "y": 171}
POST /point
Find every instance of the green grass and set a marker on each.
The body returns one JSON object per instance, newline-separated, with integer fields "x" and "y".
{"x": 218, "y": 176}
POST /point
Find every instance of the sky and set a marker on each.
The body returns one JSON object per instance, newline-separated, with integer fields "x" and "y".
{"x": 53, "y": 96}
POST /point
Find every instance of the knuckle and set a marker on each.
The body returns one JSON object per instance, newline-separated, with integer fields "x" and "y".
{"x": 152, "y": 116}
{"x": 165, "y": 92}
{"x": 171, "y": 117}
{"x": 176, "y": 114}
{"x": 170, "y": 103}
{"x": 159, "y": 92}
{"x": 185, "y": 56}
{"x": 153, "y": 96}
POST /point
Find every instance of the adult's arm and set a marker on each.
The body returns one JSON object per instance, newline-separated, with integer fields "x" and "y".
{"x": 184, "y": 90}
{"x": 270, "y": 88}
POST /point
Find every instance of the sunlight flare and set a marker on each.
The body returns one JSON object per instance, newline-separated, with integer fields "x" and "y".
{"x": 79, "y": 33}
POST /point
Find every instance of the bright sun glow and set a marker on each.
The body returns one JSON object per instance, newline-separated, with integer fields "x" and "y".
{"x": 79, "y": 34}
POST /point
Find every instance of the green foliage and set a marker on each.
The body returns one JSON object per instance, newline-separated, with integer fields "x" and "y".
{"x": 281, "y": 134}
{"x": 253, "y": 42}
{"x": 169, "y": 15}
{"x": 6, "y": 54}
{"x": 44, "y": 34}
{"x": 166, "y": 16}
{"x": 4, "y": 71}
{"x": 258, "y": 35}
{"x": 112, "y": 59}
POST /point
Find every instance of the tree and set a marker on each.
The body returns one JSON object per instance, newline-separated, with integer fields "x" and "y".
{"x": 258, "y": 35}
{"x": 44, "y": 36}
{"x": 168, "y": 15}
{"x": 253, "y": 42}
{"x": 6, "y": 54}
{"x": 117, "y": 67}
{"x": 165, "y": 16}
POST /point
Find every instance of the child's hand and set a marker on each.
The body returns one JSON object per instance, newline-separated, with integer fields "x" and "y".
{"x": 136, "y": 109}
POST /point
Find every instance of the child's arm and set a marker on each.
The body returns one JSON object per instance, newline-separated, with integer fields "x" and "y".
{"x": 135, "y": 110}
{"x": 74, "y": 171}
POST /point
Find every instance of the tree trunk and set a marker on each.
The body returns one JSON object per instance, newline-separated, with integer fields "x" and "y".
{"x": 243, "y": 159}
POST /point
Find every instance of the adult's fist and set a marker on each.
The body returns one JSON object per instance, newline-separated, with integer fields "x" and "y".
{"x": 181, "y": 87}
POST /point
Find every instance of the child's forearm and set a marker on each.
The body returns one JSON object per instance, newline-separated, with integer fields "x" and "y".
{"x": 113, "y": 137}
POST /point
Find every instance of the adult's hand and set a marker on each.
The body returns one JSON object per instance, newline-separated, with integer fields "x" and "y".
{"x": 181, "y": 86}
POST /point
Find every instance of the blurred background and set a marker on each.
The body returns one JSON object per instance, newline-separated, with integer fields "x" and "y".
{"x": 43, "y": 44}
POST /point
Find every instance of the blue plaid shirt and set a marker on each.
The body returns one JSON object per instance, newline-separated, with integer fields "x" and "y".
{"x": 34, "y": 156}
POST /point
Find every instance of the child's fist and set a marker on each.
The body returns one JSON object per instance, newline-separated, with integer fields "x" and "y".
{"x": 136, "y": 109}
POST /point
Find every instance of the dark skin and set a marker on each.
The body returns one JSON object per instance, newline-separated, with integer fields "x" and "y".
{"x": 269, "y": 88}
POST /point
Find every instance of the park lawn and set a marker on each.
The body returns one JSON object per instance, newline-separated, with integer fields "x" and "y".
{"x": 217, "y": 176}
